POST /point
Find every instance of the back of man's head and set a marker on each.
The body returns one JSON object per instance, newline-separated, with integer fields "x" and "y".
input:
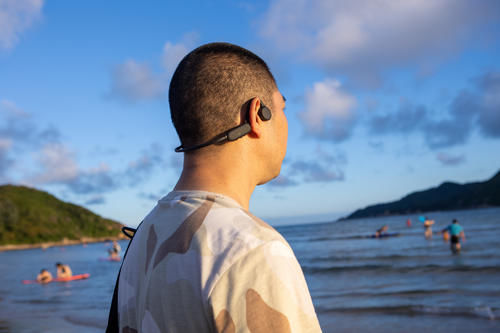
{"x": 211, "y": 85}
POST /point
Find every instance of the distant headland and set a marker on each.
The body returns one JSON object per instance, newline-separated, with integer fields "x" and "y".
{"x": 447, "y": 196}
{"x": 32, "y": 218}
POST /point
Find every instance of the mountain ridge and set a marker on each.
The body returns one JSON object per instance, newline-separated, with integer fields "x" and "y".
{"x": 446, "y": 196}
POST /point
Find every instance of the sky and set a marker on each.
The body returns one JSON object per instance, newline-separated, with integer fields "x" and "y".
{"x": 383, "y": 98}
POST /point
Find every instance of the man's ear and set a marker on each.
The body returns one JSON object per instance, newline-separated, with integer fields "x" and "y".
{"x": 253, "y": 117}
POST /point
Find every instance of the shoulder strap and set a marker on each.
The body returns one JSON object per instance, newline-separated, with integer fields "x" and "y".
{"x": 113, "y": 323}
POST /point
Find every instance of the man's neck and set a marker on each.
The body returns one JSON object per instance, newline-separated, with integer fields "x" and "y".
{"x": 218, "y": 173}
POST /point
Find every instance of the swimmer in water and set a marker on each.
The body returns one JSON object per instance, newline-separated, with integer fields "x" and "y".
{"x": 63, "y": 271}
{"x": 381, "y": 231}
{"x": 44, "y": 276}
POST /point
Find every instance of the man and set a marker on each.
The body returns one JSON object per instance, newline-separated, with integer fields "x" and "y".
{"x": 63, "y": 271}
{"x": 455, "y": 231}
{"x": 44, "y": 276}
{"x": 200, "y": 261}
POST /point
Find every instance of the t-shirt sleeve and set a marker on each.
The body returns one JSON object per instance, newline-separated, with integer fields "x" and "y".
{"x": 264, "y": 291}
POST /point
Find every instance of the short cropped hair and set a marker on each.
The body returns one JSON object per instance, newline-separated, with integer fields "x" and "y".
{"x": 211, "y": 85}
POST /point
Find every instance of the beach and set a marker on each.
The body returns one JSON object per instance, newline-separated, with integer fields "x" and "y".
{"x": 358, "y": 284}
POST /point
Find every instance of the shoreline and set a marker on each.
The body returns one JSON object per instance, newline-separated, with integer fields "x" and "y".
{"x": 64, "y": 242}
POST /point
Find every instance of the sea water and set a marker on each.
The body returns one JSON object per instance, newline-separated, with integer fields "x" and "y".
{"x": 358, "y": 284}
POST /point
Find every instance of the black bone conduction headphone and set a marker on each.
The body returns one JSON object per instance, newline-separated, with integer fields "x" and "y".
{"x": 231, "y": 135}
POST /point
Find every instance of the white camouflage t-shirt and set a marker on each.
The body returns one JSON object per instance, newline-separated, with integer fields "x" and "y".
{"x": 201, "y": 263}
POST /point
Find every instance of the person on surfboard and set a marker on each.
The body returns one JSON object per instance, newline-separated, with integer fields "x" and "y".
{"x": 44, "y": 276}
{"x": 63, "y": 271}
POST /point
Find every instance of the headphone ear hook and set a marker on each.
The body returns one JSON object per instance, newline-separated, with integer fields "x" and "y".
{"x": 231, "y": 135}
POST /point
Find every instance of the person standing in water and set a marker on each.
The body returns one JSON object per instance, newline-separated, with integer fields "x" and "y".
{"x": 456, "y": 232}
{"x": 428, "y": 228}
{"x": 114, "y": 252}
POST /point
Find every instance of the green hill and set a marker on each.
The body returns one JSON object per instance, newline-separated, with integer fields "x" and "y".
{"x": 447, "y": 196}
{"x": 29, "y": 216}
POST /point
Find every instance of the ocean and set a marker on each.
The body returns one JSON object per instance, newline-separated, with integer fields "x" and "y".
{"x": 358, "y": 284}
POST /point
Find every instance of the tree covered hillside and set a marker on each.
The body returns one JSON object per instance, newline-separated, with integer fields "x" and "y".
{"x": 29, "y": 216}
{"x": 447, "y": 196}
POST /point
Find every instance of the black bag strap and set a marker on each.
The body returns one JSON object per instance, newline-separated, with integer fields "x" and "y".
{"x": 113, "y": 323}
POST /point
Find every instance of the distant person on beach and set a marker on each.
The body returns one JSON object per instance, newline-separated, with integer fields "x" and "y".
{"x": 63, "y": 271}
{"x": 381, "y": 231}
{"x": 408, "y": 223}
{"x": 200, "y": 261}
{"x": 455, "y": 231}
{"x": 428, "y": 227}
{"x": 44, "y": 276}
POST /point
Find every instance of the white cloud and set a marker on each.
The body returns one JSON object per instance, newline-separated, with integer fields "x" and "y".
{"x": 5, "y": 144}
{"x": 450, "y": 160}
{"x": 172, "y": 55}
{"x": 363, "y": 38}
{"x": 58, "y": 165}
{"x": 471, "y": 109}
{"x": 96, "y": 200}
{"x": 19, "y": 135}
{"x": 489, "y": 104}
{"x": 329, "y": 111}
{"x": 5, "y": 161}
{"x": 12, "y": 109}
{"x": 102, "y": 168}
{"x": 174, "y": 52}
{"x": 141, "y": 168}
{"x": 133, "y": 81}
{"x": 15, "y": 17}
{"x": 326, "y": 167}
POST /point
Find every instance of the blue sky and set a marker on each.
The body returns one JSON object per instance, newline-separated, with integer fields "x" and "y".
{"x": 383, "y": 98}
